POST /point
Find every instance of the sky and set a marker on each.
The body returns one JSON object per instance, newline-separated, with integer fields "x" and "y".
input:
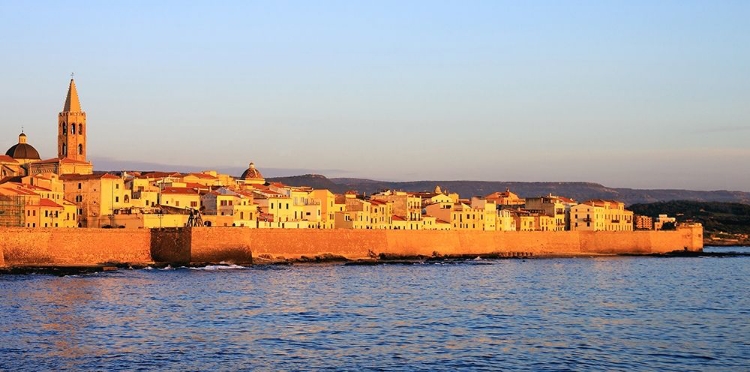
{"x": 642, "y": 94}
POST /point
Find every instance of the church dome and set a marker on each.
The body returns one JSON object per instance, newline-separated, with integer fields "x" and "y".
{"x": 251, "y": 173}
{"x": 22, "y": 150}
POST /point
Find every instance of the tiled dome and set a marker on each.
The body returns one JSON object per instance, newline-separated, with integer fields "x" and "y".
{"x": 251, "y": 173}
{"x": 22, "y": 150}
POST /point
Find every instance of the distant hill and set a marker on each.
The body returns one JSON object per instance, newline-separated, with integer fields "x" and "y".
{"x": 577, "y": 190}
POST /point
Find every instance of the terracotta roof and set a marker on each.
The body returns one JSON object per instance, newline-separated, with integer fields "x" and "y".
{"x": 63, "y": 160}
{"x": 7, "y": 159}
{"x": 602, "y": 202}
{"x": 35, "y": 187}
{"x": 179, "y": 190}
{"x": 48, "y": 203}
{"x": 158, "y": 174}
{"x": 193, "y": 185}
{"x": 45, "y": 175}
{"x": 76, "y": 177}
{"x": 202, "y": 175}
{"x": 17, "y": 188}
{"x": 244, "y": 193}
{"x": 267, "y": 191}
{"x": 399, "y": 218}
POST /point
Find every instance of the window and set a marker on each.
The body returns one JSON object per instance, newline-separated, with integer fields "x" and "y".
{"x": 64, "y": 128}
{"x": 46, "y": 214}
{"x": 80, "y": 149}
{"x": 194, "y": 204}
{"x": 80, "y": 128}
{"x": 117, "y": 186}
{"x": 73, "y": 128}
{"x": 79, "y": 185}
{"x": 117, "y": 199}
{"x": 177, "y": 203}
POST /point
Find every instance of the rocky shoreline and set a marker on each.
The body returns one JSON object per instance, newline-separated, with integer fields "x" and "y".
{"x": 334, "y": 260}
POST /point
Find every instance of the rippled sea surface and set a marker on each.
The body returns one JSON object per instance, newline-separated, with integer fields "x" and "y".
{"x": 626, "y": 313}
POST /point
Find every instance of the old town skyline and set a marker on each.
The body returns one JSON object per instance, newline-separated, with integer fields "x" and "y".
{"x": 639, "y": 95}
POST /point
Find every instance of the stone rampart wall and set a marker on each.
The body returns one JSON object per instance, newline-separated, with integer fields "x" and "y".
{"x": 35, "y": 246}
{"x": 50, "y": 246}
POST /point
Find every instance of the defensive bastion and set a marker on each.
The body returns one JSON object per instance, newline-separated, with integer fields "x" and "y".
{"x": 31, "y": 247}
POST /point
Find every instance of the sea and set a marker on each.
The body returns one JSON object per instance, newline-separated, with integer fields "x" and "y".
{"x": 556, "y": 314}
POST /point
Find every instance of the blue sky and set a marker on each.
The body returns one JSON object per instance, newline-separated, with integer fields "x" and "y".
{"x": 648, "y": 94}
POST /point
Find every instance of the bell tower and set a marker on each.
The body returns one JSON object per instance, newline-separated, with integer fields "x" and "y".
{"x": 71, "y": 127}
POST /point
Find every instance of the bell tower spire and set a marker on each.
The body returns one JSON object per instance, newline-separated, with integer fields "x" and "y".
{"x": 71, "y": 132}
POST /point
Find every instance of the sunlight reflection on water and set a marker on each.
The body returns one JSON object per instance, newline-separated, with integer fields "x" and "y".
{"x": 552, "y": 314}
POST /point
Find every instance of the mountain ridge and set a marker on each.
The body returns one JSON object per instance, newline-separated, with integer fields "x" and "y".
{"x": 579, "y": 191}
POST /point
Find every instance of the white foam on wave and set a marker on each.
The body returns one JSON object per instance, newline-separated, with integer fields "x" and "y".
{"x": 219, "y": 267}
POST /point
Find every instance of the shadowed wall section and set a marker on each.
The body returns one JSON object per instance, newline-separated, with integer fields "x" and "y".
{"x": 221, "y": 244}
{"x": 171, "y": 245}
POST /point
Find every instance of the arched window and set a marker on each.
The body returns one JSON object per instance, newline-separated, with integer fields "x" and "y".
{"x": 80, "y": 128}
{"x": 80, "y": 149}
{"x": 65, "y": 149}
{"x": 64, "y": 128}
{"x": 73, "y": 128}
